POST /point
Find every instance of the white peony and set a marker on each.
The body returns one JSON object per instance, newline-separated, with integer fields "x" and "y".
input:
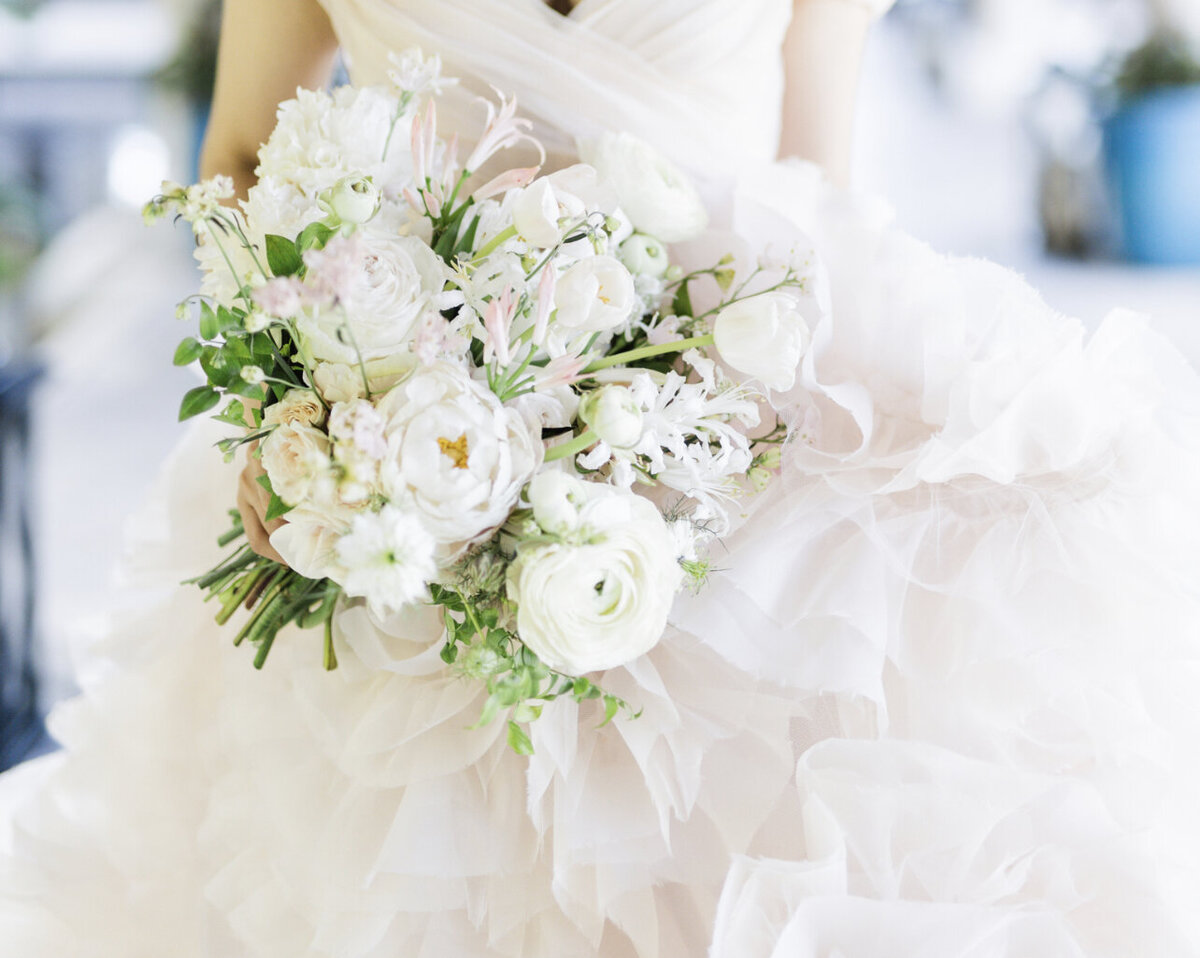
{"x": 652, "y": 191}
{"x": 391, "y": 283}
{"x": 601, "y": 599}
{"x": 764, "y": 337}
{"x": 614, "y": 415}
{"x": 594, "y": 295}
{"x": 387, "y": 558}
{"x": 296, "y": 459}
{"x": 455, "y": 454}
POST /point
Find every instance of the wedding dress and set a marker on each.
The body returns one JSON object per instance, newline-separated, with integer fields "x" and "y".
{"x": 938, "y": 699}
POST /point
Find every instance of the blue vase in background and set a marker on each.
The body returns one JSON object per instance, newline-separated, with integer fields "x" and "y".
{"x": 1152, "y": 149}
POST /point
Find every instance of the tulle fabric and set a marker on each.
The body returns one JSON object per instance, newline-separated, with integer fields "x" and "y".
{"x": 937, "y": 699}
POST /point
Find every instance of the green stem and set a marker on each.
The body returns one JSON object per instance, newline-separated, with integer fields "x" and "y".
{"x": 330, "y": 660}
{"x": 495, "y": 243}
{"x": 646, "y": 352}
{"x": 573, "y": 446}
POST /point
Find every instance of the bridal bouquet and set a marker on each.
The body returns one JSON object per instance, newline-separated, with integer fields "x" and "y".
{"x": 487, "y": 392}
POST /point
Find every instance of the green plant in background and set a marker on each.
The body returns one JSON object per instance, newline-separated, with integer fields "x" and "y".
{"x": 18, "y": 235}
{"x": 1165, "y": 60}
{"x": 23, "y": 8}
{"x": 192, "y": 69}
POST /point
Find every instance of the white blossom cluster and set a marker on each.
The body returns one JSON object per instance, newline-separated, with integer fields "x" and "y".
{"x": 503, "y": 366}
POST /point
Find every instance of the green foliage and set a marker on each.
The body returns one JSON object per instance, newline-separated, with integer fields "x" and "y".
{"x": 198, "y": 400}
{"x": 282, "y": 256}
{"x": 1163, "y": 61}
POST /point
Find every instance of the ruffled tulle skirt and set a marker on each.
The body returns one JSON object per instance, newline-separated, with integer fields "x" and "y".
{"x": 937, "y": 699}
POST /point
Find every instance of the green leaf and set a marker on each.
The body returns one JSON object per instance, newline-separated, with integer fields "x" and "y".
{"x": 187, "y": 352}
{"x": 198, "y": 400}
{"x": 234, "y": 414}
{"x": 282, "y": 256}
{"x": 682, "y": 306}
{"x": 612, "y": 705}
{"x": 276, "y": 508}
{"x": 518, "y": 741}
{"x": 491, "y": 708}
{"x": 314, "y": 236}
{"x": 449, "y": 653}
{"x": 209, "y": 327}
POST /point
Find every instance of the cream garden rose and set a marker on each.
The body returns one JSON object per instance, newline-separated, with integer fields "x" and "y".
{"x": 653, "y": 193}
{"x": 455, "y": 455}
{"x": 764, "y": 336}
{"x": 600, "y": 597}
{"x": 296, "y": 460}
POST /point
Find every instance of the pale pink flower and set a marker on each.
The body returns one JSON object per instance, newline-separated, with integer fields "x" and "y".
{"x": 545, "y": 303}
{"x": 335, "y": 270}
{"x": 497, "y": 320}
{"x": 283, "y": 296}
{"x": 560, "y": 371}
{"x": 513, "y": 179}
{"x": 503, "y": 129}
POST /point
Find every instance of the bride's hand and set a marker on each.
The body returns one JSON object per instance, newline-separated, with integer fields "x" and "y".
{"x": 252, "y": 502}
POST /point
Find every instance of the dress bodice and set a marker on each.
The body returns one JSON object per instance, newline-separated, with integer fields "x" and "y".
{"x": 700, "y": 79}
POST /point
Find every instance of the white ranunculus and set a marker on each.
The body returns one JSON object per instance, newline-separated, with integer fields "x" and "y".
{"x": 296, "y": 459}
{"x": 652, "y": 191}
{"x": 594, "y": 295}
{"x": 556, "y": 499}
{"x": 392, "y": 286}
{"x": 388, "y": 558}
{"x": 353, "y": 199}
{"x": 614, "y": 415}
{"x": 298, "y": 407}
{"x": 644, "y": 256}
{"x": 764, "y": 336}
{"x": 602, "y": 599}
{"x": 455, "y": 454}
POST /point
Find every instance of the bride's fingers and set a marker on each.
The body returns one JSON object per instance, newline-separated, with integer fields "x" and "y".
{"x": 252, "y": 502}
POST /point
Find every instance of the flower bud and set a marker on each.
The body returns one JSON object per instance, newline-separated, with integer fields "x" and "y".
{"x": 644, "y": 255}
{"x": 256, "y": 321}
{"x": 354, "y": 199}
{"x": 614, "y": 415}
{"x": 253, "y": 374}
{"x": 556, "y": 498}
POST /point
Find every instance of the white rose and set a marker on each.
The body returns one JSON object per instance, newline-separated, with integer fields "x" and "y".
{"x": 603, "y": 602}
{"x": 556, "y": 499}
{"x": 652, "y": 191}
{"x": 764, "y": 336}
{"x": 614, "y": 415}
{"x": 298, "y": 407}
{"x": 338, "y": 382}
{"x": 353, "y": 199}
{"x": 644, "y": 256}
{"x": 455, "y": 453}
{"x": 594, "y": 295}
{"x": 392, "y": 287}
{"x": 296, "y": 459}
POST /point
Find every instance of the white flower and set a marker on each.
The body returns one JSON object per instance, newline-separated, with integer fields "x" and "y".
{"x": 416, "y": 74}
{"x": 551, "y": 203}
{"x": 614, "y": 415}
{"x": 764, "y": 336}
{"x": 356, "y": 429}
{"x": 595, "y": 295}
{"x": 602, "y": 599}
{"x": 455, "y": 454}
{"x": 383, "y": 289}
{"x": 296, "y": 459}
{"x": 387, "y": 557}
{"x": 556, "y": 499}
{"x": 298, "y": 407}
{"x": 353, "y": 199}
{"x": 644, "y": 256}
{"x": 654, "y": 194}
{"x": 338, "y": 382}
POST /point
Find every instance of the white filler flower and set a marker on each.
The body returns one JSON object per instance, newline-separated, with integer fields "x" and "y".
{"x": 388, "y": 559}
{"x": 654, "y": 194}
{"x": 455, "y": 453}
{"x": 601, "y": 599}
{"x": 764, "y": 337}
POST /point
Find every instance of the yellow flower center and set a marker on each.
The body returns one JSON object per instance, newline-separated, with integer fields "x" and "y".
{"x": 456, "y": 449}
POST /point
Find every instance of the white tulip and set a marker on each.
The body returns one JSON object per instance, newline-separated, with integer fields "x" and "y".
{"x": 764, "y": 337}
{"x": 614, "y": 415}
{"x": 603, "y": 600}
{"x": 594, "y": 295}
{"x": 652, "y": 191}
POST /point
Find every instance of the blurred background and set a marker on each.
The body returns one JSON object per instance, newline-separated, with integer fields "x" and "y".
{"x": 1059, "y": 137}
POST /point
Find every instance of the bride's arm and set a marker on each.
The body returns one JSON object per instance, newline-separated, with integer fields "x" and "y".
{"x": 268, "y": 48}
{"x": 822, "y": 54}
